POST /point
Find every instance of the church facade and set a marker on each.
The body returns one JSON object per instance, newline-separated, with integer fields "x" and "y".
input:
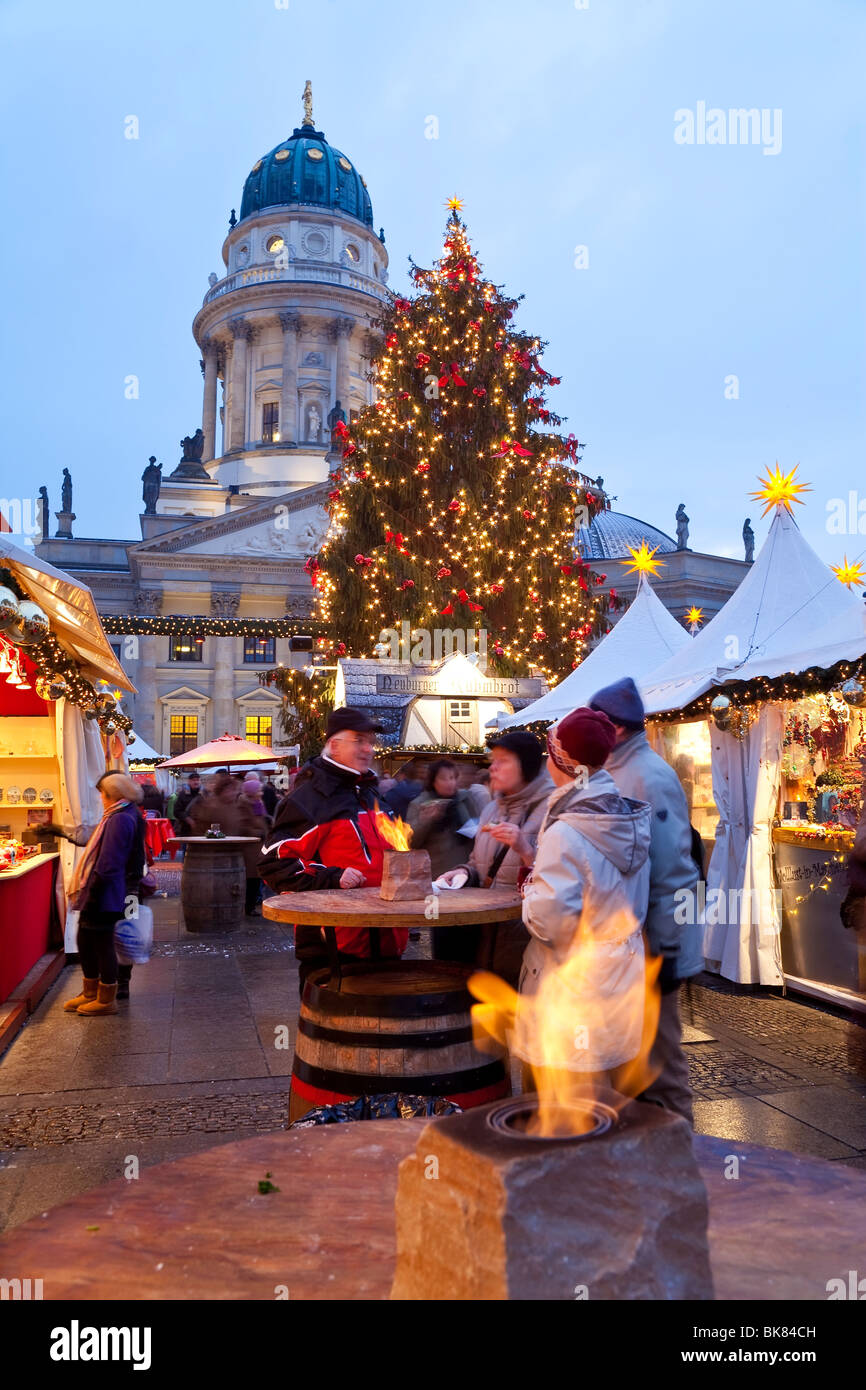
{"x": 215, "y": 590}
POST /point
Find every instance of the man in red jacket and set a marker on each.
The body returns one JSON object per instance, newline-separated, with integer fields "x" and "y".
{"x": 326, "y": 835}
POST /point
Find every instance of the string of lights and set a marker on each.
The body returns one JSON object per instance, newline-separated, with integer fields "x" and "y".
{"x": 194, "y": 625}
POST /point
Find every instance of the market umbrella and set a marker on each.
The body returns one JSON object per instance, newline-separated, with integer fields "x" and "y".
{"x": 221, "y": 752}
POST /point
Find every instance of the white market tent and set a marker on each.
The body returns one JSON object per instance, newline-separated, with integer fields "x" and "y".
{"x": 645, "y": 635}
{"x": 789, "y": 615}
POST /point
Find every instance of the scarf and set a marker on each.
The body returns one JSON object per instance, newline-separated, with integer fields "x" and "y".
{"x": 86, "y": 864}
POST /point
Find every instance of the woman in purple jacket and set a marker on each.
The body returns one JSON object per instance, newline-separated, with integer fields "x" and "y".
{"x": 106, "y": 878}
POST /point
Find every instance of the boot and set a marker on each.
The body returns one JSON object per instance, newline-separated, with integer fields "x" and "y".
{"x": 103, "y": 1003}
{"x": 85, "y": 997}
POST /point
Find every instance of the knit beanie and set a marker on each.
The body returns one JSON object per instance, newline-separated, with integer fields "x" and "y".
{"x": 621, "y": 702}
{"x": 252, "y": 784}
{"x": 528, "y": 751}
{"x": 583, "y": 738}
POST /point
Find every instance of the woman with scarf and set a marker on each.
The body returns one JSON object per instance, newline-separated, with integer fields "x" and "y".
{"x": 504, "y": 851}
{"x": 108, "y": 873}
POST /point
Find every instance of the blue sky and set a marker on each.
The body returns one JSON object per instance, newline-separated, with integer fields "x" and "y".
{"x": 556, "y": 126}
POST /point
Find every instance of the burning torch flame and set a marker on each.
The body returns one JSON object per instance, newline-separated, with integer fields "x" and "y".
{"x": 570, "y": 1018}
{"x": 395, "y": 833}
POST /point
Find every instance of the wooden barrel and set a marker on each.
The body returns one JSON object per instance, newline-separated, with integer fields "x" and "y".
{"x": 212, "y": 888}
{"x": 392, "y": 1026}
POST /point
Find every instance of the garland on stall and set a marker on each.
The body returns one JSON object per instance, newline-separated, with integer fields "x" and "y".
{"x": 194, "y": 625}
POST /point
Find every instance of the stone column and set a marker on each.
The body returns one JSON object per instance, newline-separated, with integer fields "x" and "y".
{"x": 147, "y": 724}
{"x": 291, "y": 324}
{"x": 224, "y": 605}
{"x": 341, "y": 330}
{"x": 242, "y": 334}
{"x": 209, "y": 407}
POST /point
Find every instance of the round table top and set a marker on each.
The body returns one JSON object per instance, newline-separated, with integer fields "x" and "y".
{"x": 213, "y": 840}
{"x": 363, "y": 907}
{"x": 328, "y": 1231}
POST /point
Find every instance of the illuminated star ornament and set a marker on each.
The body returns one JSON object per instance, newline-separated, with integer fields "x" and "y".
{"x": 780, "y": 487}
{"x": 849, "y": 572}
{"x": 695, "y": 616}
{"x": 455, "y": 204}
{"x": 642, "y": 559}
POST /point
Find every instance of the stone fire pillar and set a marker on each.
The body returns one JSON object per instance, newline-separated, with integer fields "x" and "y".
{"x": 291, "y": 324}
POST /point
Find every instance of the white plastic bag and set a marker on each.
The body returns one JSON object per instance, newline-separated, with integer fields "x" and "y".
{"x": 133, "y": 936}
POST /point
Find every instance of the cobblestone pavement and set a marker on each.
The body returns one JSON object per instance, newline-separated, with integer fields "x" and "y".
{"x": 202, "y": 1052}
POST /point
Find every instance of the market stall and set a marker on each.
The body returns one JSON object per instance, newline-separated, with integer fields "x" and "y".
{"x": 57, "y": 727}
{"x": 783, "y": 714}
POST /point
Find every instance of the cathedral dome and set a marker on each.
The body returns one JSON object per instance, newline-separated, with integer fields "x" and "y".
{"x": 306, "y": 170}
{"x": 610, "y": 534}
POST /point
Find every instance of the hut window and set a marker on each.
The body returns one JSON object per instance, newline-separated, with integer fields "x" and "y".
{"x": 459, "y": 712}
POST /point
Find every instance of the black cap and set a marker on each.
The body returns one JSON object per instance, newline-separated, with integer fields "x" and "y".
{"x": 339, "y": 720}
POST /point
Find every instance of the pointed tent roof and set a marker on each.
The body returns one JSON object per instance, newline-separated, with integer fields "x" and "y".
{"x": 633, "y": 647}
{"x": 788, "y": 600}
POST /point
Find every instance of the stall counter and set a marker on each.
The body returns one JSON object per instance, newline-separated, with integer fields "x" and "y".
{"x": 26, "y": 912}
{"x": 819, "y": 954}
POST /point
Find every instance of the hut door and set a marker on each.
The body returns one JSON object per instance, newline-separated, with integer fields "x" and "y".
{"x": 459, "y": 722}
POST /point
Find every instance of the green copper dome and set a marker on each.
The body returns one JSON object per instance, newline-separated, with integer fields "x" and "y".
{"x": 305, "y": 169}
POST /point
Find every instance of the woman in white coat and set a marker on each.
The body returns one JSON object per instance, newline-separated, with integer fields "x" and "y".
{"x": 582, "y": 987}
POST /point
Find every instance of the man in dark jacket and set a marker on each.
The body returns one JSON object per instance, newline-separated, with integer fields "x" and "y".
{"x": 183, "y": 800}
{"x": 407, "y": 785}
{"x": 269, "y": 795}
{"x": 326, "y": 835}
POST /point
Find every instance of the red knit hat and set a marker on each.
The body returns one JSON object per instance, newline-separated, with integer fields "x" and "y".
{"x": 584, "y": 738}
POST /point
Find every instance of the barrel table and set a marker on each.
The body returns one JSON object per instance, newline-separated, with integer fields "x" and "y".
{"x": 392, "y": 1025}
{"x": 213, "y": 881}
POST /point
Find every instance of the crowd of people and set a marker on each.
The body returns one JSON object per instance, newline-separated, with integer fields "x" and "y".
{"x": 595, "y": 835}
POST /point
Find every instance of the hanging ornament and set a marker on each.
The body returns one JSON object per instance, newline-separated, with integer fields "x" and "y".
{"x": 422, "y": 359}
{"x": 443, "y": 573}
{"x": 852, "y": 691}
{"x": 721, "y": 711}
{"x": 130, "y": 738}
{"x": 9, "y": 609}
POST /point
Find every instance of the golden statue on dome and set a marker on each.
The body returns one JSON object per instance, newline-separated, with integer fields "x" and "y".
{"x": 308, "y": 104}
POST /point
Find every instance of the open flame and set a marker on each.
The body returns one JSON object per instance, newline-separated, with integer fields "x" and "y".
{"x": 582, "y": 1037}
{"x": 395, "y": 833}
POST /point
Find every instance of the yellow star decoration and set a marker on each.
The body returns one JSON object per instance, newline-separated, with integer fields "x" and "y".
{"x": 455, "y": 204}
{"x": 849, "y": 573}
{"x": 642, "y": 558}
{"x": 695, "y": 615}
{"x": 780, "y": 487}
{"x": 117, "y": 695}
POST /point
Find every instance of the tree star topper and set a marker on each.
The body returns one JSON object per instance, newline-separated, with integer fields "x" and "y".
{"x": 779, "y": 487}
{"x": 849, "y": 572}
{"x": 642, "y": 558}
{"x": 455, "y": 204}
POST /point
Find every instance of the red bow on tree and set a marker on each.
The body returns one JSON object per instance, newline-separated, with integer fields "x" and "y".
{"x": 363, "y": 560}
{"x": 443, "y": 573}
{"x": 479, "y": 391}
{"x": 511, "y": 446}
{"x": 566, "y": 569}
{"x": 454, "y": 505}
{"x": 463, "y": 596}
{"x": 572, "y": 446}
{"x": 539, "y": 636}
{"x": 333, "y": 496}
{"x": 447, "y": 610}
{"x": 312, "y": 568}
{"x": 475, "y": 607}
{"x": 349, "y": 450}
{"x": 402, "y": 306}
{"x": 496, "y": 588}
{"x": 452, "y": 375}
{"x": 528, "y": 516}
{"x": 392, "y": 340}
{"x": 341, "y": 430}
{"x": 476, "y": 324}
{"x": 487, "y": 307}
{"x": 422, "y": 359}
{"x": 423, "y": 468}
{"x": 521, "y": 357}
{"x": 408, "y": 584}
{"x": 395, "y": 536}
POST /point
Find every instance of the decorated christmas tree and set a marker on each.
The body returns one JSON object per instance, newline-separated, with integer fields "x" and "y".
{"x": 457, "y": 500}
